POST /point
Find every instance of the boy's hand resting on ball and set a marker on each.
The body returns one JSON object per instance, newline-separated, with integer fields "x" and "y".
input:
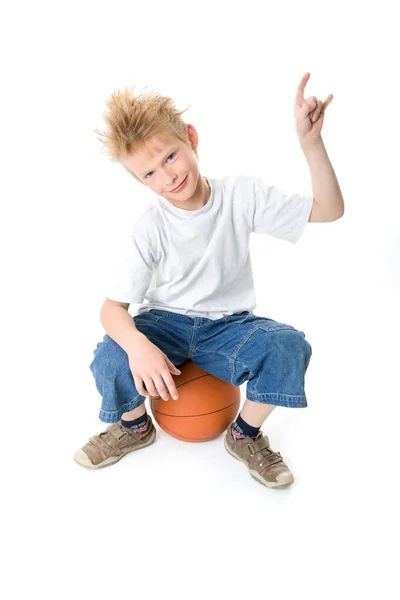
{"x": 150, "y": 366}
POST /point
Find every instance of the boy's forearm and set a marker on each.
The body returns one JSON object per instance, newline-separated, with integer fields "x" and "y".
{"x": 120, "y": 326}
{"x": 325, "y": 186}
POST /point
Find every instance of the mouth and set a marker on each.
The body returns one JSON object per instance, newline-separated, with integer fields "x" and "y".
{"x": 180, "y": 187}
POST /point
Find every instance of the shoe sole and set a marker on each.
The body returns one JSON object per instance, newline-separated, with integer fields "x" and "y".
{"x": 82, "y": 458}
{"x": 284, "y": 479}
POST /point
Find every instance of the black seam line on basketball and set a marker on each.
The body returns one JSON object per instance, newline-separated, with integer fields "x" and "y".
{"x": 201, "y": 415}
{"x": 194, "y": 379}
{"x": 184, "y": 382}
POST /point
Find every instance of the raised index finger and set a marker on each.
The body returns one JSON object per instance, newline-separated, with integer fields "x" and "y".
{"x": 301, "y": 88}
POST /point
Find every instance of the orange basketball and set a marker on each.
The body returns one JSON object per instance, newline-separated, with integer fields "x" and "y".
{"x": 204, "y": 409}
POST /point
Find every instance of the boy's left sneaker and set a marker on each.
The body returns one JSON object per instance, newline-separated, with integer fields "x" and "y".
{"x": 265, "y": 466}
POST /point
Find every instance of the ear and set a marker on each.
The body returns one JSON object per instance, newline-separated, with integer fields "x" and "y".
{"x": 193, "y": 136}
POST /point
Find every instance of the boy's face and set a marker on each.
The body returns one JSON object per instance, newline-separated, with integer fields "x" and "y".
{"x": 164, "y": 163}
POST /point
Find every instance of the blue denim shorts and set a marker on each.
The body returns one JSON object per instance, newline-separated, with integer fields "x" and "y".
{"x": 271, "y": 356}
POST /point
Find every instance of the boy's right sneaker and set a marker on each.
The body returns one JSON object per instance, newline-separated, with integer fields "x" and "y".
{"x": 112, "y": 444}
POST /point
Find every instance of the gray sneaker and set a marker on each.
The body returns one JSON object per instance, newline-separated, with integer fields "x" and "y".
{"x": 111, "y": 445}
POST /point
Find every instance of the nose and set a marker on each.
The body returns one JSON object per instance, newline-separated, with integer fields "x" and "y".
{"x": 172, "y": 181}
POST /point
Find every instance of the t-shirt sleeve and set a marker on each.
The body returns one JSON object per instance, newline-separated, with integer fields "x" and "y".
{"x": 280, "y": 214}
{"x": 129, "y": 269}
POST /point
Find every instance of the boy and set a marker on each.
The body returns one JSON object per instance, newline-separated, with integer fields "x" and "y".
{"x": 188, "y": 254}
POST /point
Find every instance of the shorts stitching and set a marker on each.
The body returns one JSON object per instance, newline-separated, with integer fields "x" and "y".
{"x": 246, "y": 339}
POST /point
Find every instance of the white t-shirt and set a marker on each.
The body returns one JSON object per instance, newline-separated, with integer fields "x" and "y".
{"x": 197, "y": 263}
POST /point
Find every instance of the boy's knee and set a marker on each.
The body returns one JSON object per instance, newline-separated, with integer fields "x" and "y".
{"x": 292, "y": 343}
{"x": 109, "y": 357}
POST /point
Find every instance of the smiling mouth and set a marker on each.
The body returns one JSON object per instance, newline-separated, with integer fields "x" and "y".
{"x": 182, "y": 182}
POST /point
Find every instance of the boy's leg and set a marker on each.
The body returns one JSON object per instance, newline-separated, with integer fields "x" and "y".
{"x": 134, "y": 414}
{"x": 272, "y": 357}
{"x": 281, "y": 380}
{"x": 255, "y": 413}
{"x": 120, "y": 399}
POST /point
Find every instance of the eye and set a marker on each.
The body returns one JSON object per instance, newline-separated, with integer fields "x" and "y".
{"x": 146, "y": 176}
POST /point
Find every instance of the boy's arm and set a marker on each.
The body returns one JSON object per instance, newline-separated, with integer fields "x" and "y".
{"x": 119, "y": 324}
{"x": 328, "y": 202}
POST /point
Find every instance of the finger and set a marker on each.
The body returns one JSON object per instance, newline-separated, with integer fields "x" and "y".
{"x": 310, "y": 104}
{"x": 171, "y": 364}
{"x": 300, "y": 90}
{"x": 171, "y": 385}
{"x": 162, "y": 390}
{"x": 150, "y": 387}
{"x": 327, "y": 102}
{"x": 139, "y": 386}
{"x": 315, "y": 115}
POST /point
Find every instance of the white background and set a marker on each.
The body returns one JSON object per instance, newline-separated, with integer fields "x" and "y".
{"x": 178, "y": 519}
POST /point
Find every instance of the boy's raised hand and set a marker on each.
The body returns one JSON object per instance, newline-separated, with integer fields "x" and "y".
{"x": 309, "y": 113}
{"x": 149, "y": 365}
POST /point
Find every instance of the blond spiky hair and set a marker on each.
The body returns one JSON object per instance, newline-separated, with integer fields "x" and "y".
{"x": 133, "y": 119}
